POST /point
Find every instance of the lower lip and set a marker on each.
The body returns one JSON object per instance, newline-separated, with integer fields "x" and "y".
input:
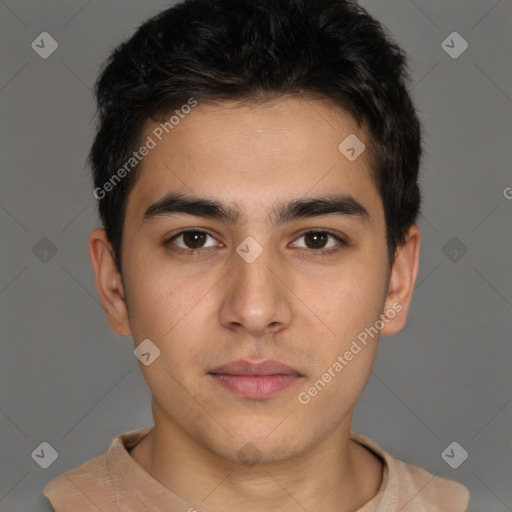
{"x": 255, "y": 386}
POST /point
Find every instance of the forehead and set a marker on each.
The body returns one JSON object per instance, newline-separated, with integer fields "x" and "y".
{"x": 254, "y": 155}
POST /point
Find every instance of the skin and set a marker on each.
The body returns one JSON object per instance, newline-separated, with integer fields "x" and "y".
{"x": 292, "y": 304}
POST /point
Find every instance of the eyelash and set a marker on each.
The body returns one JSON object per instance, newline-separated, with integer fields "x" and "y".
{"x": 315, "y": 252}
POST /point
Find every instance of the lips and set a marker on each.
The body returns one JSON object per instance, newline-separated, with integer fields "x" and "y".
{"x": 268, "y": 367}
{"x": 255, "y": 380}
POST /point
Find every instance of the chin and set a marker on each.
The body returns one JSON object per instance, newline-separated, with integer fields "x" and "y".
{"x": 249, "y": 448}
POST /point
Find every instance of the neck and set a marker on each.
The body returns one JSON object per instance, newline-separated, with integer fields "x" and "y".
{"x": 336, "y": 474}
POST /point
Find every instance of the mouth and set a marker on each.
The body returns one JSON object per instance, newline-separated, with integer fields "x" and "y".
{"x": 255, "y": 380}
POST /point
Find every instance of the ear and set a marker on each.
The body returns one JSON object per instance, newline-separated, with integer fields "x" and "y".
{"x": 401, "y": 282}
{"x": 108, "y": 282}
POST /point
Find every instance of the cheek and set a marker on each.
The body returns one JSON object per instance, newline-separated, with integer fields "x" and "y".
{"x": 173, "y": 310}
{"x": 159, "y": 295}
{"x": 351, "y": 307}
{"x": 344, "y": 359}
{"x": 348, "y": 300}
{"x": 333, "y": 393}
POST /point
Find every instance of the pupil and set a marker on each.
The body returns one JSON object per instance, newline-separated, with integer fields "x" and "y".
{"x": 194, "y": 239}
{"x": 318, "y": 239}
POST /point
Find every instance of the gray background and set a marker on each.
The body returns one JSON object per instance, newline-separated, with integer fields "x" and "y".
{"x": 66, "y": 379}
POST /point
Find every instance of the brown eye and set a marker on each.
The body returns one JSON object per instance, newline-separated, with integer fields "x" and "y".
{"x": 194, "y": 239}
{"x": 316, "y": 240}
{"x": 320, "y": 242}
{"x": 191, "y": 240}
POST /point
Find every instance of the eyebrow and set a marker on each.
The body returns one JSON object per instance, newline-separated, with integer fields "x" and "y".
{"x": 326, "y": 204}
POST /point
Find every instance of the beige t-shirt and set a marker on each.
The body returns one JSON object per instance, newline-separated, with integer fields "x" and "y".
{"x": 114, "y": 482}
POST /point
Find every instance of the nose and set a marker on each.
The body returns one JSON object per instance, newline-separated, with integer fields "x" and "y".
{"x": 257, "y": 301}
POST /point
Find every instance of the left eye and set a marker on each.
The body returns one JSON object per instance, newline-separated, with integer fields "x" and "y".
{"x": 319, "y": 240}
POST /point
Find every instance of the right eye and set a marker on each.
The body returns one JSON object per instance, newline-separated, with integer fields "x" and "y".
{"x": 189, "y": 241}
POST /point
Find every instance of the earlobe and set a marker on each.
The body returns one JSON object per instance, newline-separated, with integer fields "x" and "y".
{"x": 108, "y": 282}
{"x": 401, "y": 282}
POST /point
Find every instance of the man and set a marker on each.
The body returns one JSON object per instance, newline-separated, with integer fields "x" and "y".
{"x": 256, "y": 167}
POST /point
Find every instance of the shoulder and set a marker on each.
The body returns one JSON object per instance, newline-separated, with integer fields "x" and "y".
{"x": 86, "y": 487}
{"x": 409, "y": 488}
{"x": 98, "y": 483}
{"x": 419, "y": 488}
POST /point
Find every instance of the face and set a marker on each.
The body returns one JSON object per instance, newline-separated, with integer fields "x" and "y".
{"x": 251, "y": 238}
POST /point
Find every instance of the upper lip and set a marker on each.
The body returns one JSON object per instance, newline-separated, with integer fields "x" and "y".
{"x": 267, "y": 367}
